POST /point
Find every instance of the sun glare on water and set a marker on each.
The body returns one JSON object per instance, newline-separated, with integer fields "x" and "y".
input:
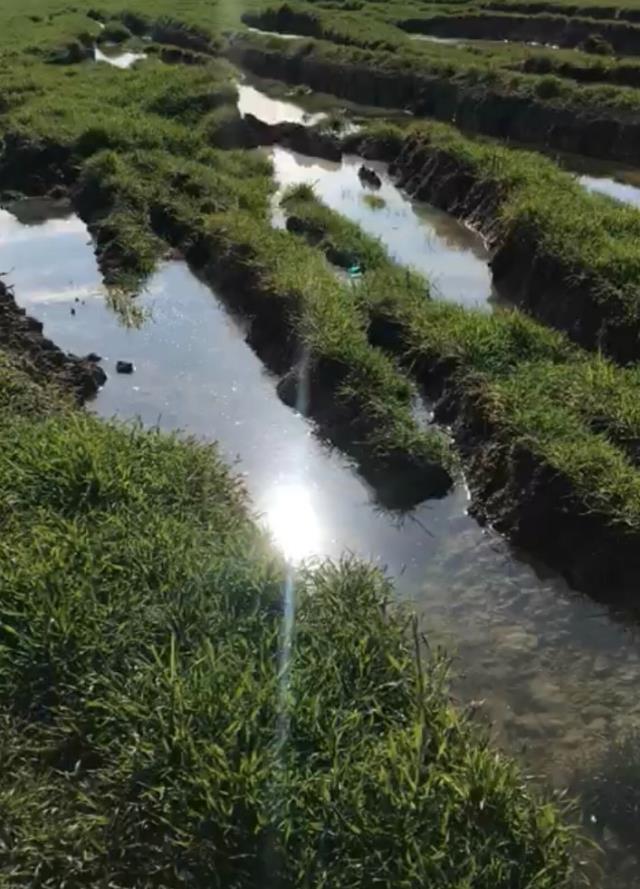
{"x": 293, "y": 522}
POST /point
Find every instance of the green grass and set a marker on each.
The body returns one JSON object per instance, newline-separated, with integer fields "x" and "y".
{"x": 374, "y": 201}
{"x": 326, "y": 319}
{"x": 141, "y": 148}
{"x": 588, "y": 237}
{"x": 148, "y": 729}
{"x": 578, "y": 413}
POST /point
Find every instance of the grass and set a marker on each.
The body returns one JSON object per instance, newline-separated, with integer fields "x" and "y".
{"x": 148, "y": 730}
{"x": 586, "y": 237}
{"x": 327, "y": 323}
{"x": 140, "y": 147}
{"x": 578, "y": 413}
{"x": 374, "y": 201}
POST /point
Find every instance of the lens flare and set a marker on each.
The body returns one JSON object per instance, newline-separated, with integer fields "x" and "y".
{"x": 293, "y": 522}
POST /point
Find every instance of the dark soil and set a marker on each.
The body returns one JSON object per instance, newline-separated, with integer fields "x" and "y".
{"x": 44, "y": 361}
{"x": 520, "y": 495}
{"x": 558, "y": 30}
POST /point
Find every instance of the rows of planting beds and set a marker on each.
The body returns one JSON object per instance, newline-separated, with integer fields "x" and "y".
{"x": 550, "y": 434}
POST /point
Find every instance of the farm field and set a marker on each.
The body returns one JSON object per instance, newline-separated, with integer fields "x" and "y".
{"x": 319, "y": 374}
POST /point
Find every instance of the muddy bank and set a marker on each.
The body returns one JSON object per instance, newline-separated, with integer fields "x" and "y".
{"x": 43, "y": 360}
{"x": 476, "y": 107}
{"x": 286, "y": 20}
{"x": 537, "y": 7}
{"x": 536, "y": 282}
{"x": 515, "y": 491}
{"x": 558, "y": 30}
{"x": 536, "y": 507}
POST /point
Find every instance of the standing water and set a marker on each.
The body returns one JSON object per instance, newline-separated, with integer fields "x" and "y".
{"x": 114, "y": 56}
{"x": 557, "y": 675}
{"x": 619, "y": 191}
{"x": 452, "y": 256}
{"x": 272, "y": 111}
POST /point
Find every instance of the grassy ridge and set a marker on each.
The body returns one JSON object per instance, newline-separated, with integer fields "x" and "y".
{"x": 499, "y": 66}
{"x": 146, "y": 731}
{"x": 137, "y": 149}
{"x": 580, "y": 414}
{"x": 369, "y": 396}
{"x": 532, "y": 209}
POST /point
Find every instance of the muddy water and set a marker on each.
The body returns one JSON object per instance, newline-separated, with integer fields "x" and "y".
{"x": 616, "y": 181}
{"x": 452, "y": 256}
{"x": 558, "y": 677}
{"x": 301, "y": 101}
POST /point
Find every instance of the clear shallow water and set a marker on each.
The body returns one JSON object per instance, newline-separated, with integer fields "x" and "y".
{"x": 452, "y": 256}
{"x": 557, "y": 675}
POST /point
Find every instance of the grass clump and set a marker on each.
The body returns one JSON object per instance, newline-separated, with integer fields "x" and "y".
{"x": 328, "y": 325}
{"x": 374, "y": 201}
{"x": 148, "y": 731}
{"x": 590, "y": 241}
{"x": 577, "y": 413}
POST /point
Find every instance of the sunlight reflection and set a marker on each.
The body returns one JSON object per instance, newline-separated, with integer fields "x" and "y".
{"x": 293, "y": 522}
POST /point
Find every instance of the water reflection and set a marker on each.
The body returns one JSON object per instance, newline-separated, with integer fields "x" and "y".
{"x": 276, "y": 34}
{"x": 272, "y": 111}
{"x": 558, "y": 676}
{"x": 117, "y": 58}
{"x": 452, "y": 256}
{"x": 620, "y": 191}
{"x": 293, "y": 522}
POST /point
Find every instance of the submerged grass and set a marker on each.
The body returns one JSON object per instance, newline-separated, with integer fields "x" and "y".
{"x": 143, "y": 705}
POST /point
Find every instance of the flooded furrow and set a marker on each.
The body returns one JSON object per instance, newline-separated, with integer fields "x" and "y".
{"x": 553, "y": 672}
{"x": 453, "y": 257}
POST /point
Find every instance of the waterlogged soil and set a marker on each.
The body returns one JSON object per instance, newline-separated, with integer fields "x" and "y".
{"x": 554, "y": 673}
{"x": 453, "y": 256}
{"x": 304, "y": 106}
{"x": 276, "y": 34}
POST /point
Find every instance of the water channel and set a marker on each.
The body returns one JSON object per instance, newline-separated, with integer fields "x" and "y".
{"x": 554, "y": 673}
